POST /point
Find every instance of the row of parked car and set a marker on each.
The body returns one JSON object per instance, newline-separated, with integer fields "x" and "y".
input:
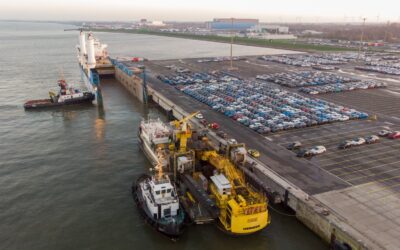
{"x": 188, "y": 78}
{"x": 358, "y": 141}
{"x": 305, "y": 78}
{"x": 308, "y": 60}
{"x": 220, "y": 59}
{"x": 369, "y": 139}
{"x": 307, "y": 152}
{"x": 392, "y": 64}
{"x": 380, "y": 69}
{"x": 178, "y": 69}
{"x": 265, "y": 108}
{"x": 342, "y": 87}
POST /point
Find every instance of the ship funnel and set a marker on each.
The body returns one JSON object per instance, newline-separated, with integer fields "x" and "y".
{"x": 82, "y": 43}
{"x": 91, "y": 53}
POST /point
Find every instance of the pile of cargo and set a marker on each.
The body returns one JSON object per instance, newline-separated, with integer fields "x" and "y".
{"x": 342, "y": 87}
{"x": 308, "y": 60}
{"x": 187, "y": 78}
{"x": 305, "y": 78}
{"x": 265, "y": 108}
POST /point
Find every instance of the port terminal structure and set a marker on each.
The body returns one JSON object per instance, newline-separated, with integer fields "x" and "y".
{"x": 316, "y": 196}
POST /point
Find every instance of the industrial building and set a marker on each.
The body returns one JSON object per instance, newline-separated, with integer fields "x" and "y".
{"x": 269, "y": 32}
{"x": 237, "y": 24}
{"x": 269, "y": 28}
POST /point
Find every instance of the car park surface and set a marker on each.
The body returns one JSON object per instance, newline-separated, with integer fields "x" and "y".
{"x": 367, "y": 159}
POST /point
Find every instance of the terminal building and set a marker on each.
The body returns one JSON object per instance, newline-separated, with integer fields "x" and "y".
{"x": 238, "y": 24}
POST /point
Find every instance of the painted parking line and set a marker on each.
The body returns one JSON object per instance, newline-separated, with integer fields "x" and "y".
{"x": 384, "y": 172}
{"x": 316, "y": 127}
{"x": 357, "y": 160}
{"x": 344, "y": 154}
{"x": 382, "y": 145}
{"x": 357, "y": 164}
{"x": 385, "y": 188}
{"x": 338, "y": 156}
{"x": 377, "y": 181}
{"x": 328, "y": 143}
{"x": 365, "y": 169}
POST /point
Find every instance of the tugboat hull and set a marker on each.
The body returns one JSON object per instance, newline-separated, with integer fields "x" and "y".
{"x": 171, "y": 228}
{"x": 47, "y": 103}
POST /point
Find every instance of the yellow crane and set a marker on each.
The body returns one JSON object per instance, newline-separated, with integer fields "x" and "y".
{"x": 243, "y": 210}
{"x": 183, "y": 131}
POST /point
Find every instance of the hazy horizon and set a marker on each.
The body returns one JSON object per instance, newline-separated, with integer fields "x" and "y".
{"x": 175, "y": 10}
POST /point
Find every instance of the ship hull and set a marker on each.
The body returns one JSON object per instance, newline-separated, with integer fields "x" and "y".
{"x": 151, "y": 156}
{"x": 47, "y": 103}
{"x": 172, "y": 228}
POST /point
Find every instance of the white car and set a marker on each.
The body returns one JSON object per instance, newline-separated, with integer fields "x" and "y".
{"x": 316, "y": 150}
{"x": 358, "y": 141}
{"x": 199, "y": 116}
{"x": 384, "y": 133}
{"x": 232, "y": 141}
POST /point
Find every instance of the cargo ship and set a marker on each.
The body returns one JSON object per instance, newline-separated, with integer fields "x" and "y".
{"x": 94, "y": 62}
{"x": 66, "y": 96}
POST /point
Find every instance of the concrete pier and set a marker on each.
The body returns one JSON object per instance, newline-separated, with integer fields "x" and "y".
{"x": 364, "y": 215}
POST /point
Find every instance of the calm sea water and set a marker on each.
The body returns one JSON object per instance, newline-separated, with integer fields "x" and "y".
{"x": 65, "y": 175}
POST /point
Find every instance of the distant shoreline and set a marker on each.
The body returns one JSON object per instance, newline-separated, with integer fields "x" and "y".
{"x": 275, "y": 44}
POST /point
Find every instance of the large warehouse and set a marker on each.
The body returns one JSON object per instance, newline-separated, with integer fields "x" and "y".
{"x": 238, "y": 24}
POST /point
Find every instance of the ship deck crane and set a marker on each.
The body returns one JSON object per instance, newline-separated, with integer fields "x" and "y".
{"x": 183, "y": 131}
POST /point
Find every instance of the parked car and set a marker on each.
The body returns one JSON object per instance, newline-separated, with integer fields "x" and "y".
{"x": 213, "y": 125}
{"x": 232, "y": 141}
{"x": 222, "y": 134}
{"x": 345, "y": 144}
{"x": 199, "y": 116}
{"x": 394, "y": 135}
{"x": 304, "y": 153}
{"x": 254, "y": 153}
{"x": 357, "y": 141}
{"x": 384, "y": 132}
{"x": 203, "y": 122}
{"x": 294, "y": 145}
{"x": 316, "y": 150}
{"x": 372, "y": 139}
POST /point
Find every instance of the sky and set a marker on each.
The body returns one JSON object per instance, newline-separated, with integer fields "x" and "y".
{"x": 195, "y": 10}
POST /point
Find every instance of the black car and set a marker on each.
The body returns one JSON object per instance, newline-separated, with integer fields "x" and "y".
{"x": 304, "y": 153}
{"x": 294, "y": 145}
{"x": 222, "y": 134}
{"x": 345, "y": 144}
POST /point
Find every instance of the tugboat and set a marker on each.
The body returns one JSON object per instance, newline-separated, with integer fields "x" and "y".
{"x": 158, "y": 202}
{"x": 66, "y": 96}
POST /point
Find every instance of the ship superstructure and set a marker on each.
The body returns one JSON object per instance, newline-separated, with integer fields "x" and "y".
{"x": 158, "y": 201}
{"x": 155, "y": 137}
{"x": 93, "y": 61}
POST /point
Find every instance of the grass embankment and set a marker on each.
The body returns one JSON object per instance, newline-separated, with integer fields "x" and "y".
{"x": 278, "y": 44}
